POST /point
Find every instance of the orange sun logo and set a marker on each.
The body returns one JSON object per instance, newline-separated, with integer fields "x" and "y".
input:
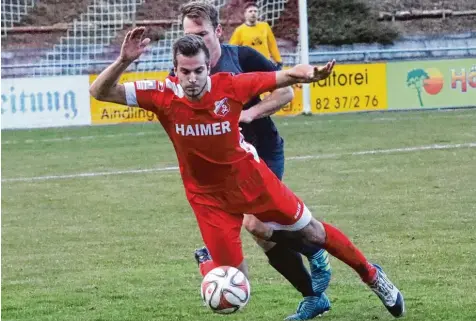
{"x": 434, "y": 83}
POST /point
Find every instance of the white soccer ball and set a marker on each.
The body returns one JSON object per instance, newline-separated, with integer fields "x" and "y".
{"x": 225, "y": 290}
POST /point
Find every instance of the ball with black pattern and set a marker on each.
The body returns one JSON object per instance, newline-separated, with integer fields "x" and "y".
{"x": 225, "y": 290}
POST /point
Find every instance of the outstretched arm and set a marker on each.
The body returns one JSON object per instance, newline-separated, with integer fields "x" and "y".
{"x": 283, "y": 79}
{"x": 303, "y": 74}
{"x": 105, "y": 87}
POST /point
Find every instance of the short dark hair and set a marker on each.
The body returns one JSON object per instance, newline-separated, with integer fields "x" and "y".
{"x": 249, "y": 5}
{"x": 189, "y": 46}
{"x": 200, "y": 10}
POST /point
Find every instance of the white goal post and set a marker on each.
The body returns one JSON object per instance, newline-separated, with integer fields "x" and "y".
{"x": 304, "y": 53}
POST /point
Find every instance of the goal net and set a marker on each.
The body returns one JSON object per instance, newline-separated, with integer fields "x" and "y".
{"x": 91, "y": 41}
{"x": 86, "y": 45}
{"x": 13, "y": 11}
{"x": 159, "y": 56}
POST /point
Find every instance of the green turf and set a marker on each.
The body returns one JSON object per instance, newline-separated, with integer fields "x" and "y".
{"x": 119, "y": 247}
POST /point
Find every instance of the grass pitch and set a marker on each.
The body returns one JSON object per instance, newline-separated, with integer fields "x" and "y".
{"x": 87, "y": 239}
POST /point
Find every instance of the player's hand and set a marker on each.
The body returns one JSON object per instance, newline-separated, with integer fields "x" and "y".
{"x": 133, "y": 45}
{"x": 308, "y": 73}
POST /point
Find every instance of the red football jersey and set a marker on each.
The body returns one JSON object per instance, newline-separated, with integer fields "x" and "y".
{"x": 211, "y": 152}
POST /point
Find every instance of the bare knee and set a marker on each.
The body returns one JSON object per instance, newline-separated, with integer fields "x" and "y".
{"x": 259, "y": 231}
{"x": 256, "y": 227}
{"x": 265, "y": 245}
{"x": 251, "y": 224}
{"x": 314, "y": 233}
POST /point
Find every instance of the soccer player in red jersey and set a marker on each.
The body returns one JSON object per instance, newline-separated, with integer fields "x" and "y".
{"x": 201, "y": 18}
{"x": 222, "y": 174}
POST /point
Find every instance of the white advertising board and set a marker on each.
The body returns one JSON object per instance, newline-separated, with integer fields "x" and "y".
{"x": 45, "y": 102}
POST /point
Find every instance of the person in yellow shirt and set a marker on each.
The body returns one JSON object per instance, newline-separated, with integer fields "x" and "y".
{"x": 257, "y": 35}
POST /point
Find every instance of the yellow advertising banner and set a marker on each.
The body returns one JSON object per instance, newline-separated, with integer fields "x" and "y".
{"x": 351, "y": 88}
{"x": 109, "y": 113}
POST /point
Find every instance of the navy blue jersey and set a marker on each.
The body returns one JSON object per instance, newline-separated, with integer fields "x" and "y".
{"x": 262, "y": 133}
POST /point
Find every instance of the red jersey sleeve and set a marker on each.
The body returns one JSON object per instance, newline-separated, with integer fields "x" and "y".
{"x": 147, "y": 94}
{"x": 252, "y": 84}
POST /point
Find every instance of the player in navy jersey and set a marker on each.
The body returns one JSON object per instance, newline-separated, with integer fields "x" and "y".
{"x": 223, "y": 175}
{"x": 200, "y": 18}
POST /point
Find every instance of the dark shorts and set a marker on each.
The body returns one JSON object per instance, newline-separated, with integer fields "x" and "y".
{"x": 275, "y": 161}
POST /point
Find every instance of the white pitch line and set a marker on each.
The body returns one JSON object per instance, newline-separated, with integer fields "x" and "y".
{"x": 386, "y": 151}
{"x": 175, "y": 168}
{"x": 94, "y": 174}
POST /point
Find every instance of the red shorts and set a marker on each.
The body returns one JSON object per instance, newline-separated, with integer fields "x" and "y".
{"x": 220, "y": 214}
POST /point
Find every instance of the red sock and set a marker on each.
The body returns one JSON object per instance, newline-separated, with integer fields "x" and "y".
{"x": 206, "y": 267}
{"x": 339, "y": 245}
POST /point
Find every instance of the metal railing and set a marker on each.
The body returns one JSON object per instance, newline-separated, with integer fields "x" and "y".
{"x": 381, "y": 54}
{"x": 72, "y": 67}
